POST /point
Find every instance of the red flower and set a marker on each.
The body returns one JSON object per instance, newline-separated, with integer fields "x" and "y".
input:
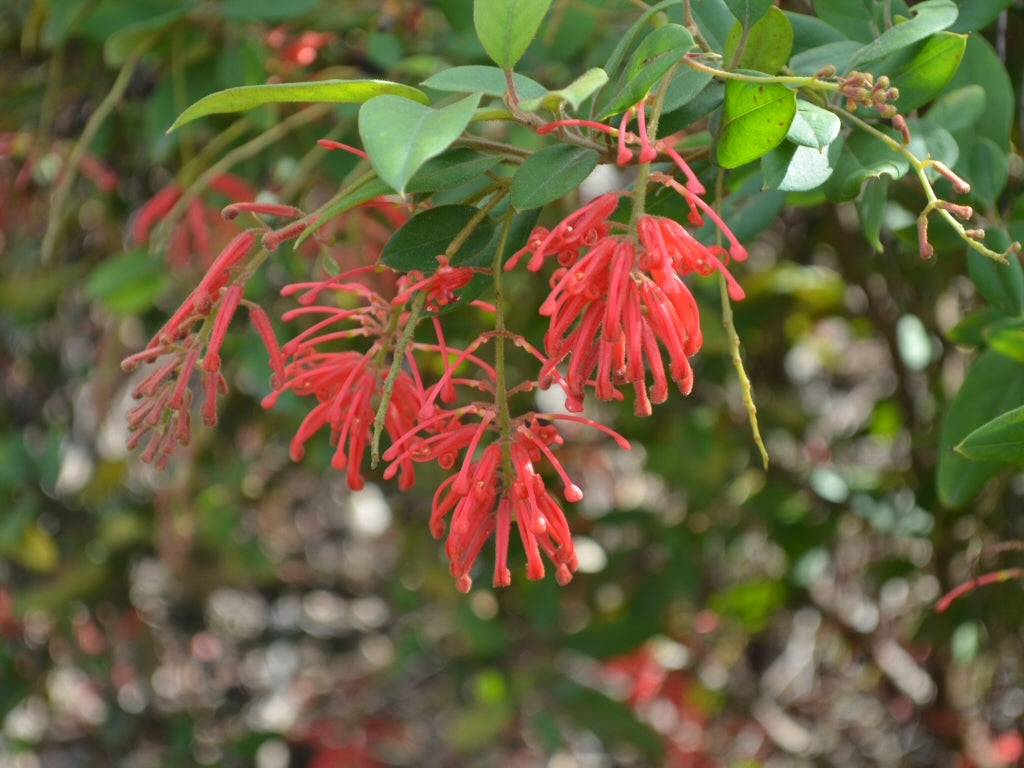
{"x": 348, "y": 385}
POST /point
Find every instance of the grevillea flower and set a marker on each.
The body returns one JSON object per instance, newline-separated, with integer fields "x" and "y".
{"x": 616, "y": 299}
{"x": 494, "y": 488}
{"x": 348, "y": 385}
{"x": 201, "y": 229}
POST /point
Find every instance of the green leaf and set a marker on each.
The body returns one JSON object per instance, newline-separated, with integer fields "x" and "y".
{"x": 837, "y": 54}
{"x": 424, "y": 237}
{"x": 450, "y": 170}
{"x": 1007, "y": 341}
{"x": 619, "y": 52}
{"x": 506, "y": 27}
{"x": 1001, "y": 439}
{"x": 982, "y": 66}
{"x": 609, "y": 720}
{"x": 333, "y": 91}
{"x": 748, "y": 12}
{"x": 1002, "y": 285}
{"x": 794, "y": 168}
{"x": 864, "y": 157}
{"x": 974, "y": 329}
{"x": 653, "y": 58}
{"x": 768, "y": 45}
{"x": 931, "y": 69}
{"x": 551, "y": 173}
{"x": 977, "y": 14}
{"x": 931, "y": 140}
{"x": 265, "y": 10}
{"x": 989, "y": 171}
{"x": 810, "y": 31}
{"x": 813, "y": 126}
{"x": 993, "y": 386}
{"x": 755, "y": 120}
{"x": 929, "y": 17}
{"x": 685, "y": 85}
{"x": 853, "y": 18}
{"x": 120, "y": 45}
{"x": 714, "y": 19}
{"x": 127, "y": 284}
{"x": 958, "y": 110}
{"x": 575, "y": 93}
{"x": 477, "y": 78}
{"x": 400, "y": 135}
{"x": 871, "y": 207}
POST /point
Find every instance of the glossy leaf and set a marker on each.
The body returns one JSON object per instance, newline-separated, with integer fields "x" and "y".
{"x": 477, "y": 78}
{"x": 767, "y": 46}
{"x": 418, "y": 242}
{"x": 755, "y": 120}
{"x": 1002, "y": 285}
{"x": 574, "y": 94}
{"x": 334, "y": 91}
{"x": 400, "y": 135}
{"x": 958, "y": 110}
{"x": 1001, "y": 439}
{"x": 450, "y": 170}
{"x": 506, "y": 27}
{"x": 748, "y": 12}
{"x": 813, "y": 126}
{"x": 686, "y": 84}
{"x": 1007, "y": 341}
{"x": 618, "y": 54}
{"x": 794, "y": 168}
{"x": 551, "y": 173}
{"x": 993, "y": 386}
{"x": 653, "y": 58}
{"x": 973, "y": 330}
{"x": 931, "y": 69}
{"x": 863, "y": 157}
{"x": 929, "y": 17}
{"x": 982, "y": 66}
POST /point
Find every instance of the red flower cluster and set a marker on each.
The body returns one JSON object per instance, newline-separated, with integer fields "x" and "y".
{"x": 614, "y": 298}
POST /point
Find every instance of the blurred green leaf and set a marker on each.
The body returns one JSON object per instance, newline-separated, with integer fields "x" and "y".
{"x": 749, "y": 12}
{"x": 863, "y": 157}
{"x": 611, "y": 721}
{"x": 871, "y": 207}
{"x": 1002, "y": 285}
{"x": 958, "y": 110}
{"x": 976, "y": 14}
{"x": 993, "y": 386}
{"x": 989, "y": 171}
{"x": 264, "y": 10}
{"x": 129, "y": 283}
{"x": 1001, "y": 439}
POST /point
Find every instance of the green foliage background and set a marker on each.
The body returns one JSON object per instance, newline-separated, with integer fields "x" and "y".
{"x": 240, "y": 609}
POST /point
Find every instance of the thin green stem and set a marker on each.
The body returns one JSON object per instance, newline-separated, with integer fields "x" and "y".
{"x": 734, "y": 340}
{"x": 58, "y": 204}
{"x": 797, "y": 81}
{"x": 920, "y": 167}
{"x": 644, "y": 169}
{"x": 500, "y": 382}
{"x": 460, "y": 239}
{"x": 693, "y": 27}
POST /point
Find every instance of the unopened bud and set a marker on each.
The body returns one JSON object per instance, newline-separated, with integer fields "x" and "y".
{"x": 959, "y": 184}
{"x": 900, "y": 124}
{"x": 975, "y": 234}
{"x": 925, "y": 248}
{"x": 960, "y": 211}
{"x": 826, "y": 72}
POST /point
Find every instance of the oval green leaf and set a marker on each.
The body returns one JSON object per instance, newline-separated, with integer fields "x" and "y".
{"x": 424, "y": 237}
{"x": 401, "y": 135}
{"x": 931, "y": 69}
{"x": 653, "y": 58}
{"x": 994, "y": 385}
{"x": 813, "y": 126}
{"x": 768, "y": 43}
{"x": 550, "y": 174}
{"x": 334, "y": 91}
{"x": 477, "y": 78}
{"x": 748, "y": 12}
{"x": 794, "y": 168}
{"x": 1001, "y": 439}
{"x": 930, "y": 17}
{"x": 863, "y": 157}
{"x": 506, "y": 27}
{"x": 755, "y": 120}
{"x": 1002, "y": 285}
{"x": 958, "y": 110}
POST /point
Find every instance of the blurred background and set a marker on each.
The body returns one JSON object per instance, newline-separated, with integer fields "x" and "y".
{"x": 239, "y": 609}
